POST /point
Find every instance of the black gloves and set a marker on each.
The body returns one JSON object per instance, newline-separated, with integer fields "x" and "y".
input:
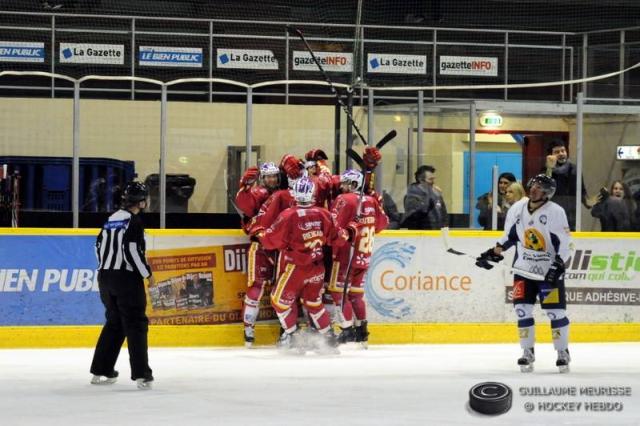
{"x": 555, "y": 272}
{"x": 485, "y": 257}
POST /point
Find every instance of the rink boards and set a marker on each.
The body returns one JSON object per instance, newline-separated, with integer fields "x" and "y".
{"x": 416, "y": 291}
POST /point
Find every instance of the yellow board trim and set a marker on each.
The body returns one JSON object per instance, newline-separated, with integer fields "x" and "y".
{"x": 267, "y": 334}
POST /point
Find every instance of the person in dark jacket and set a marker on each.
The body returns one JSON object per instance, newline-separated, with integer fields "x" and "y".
{"x": 564, "y": 172}
{"x": 485, "y": 203}
{"x": 424, "y": 206}
{"x": 615, "y": 208}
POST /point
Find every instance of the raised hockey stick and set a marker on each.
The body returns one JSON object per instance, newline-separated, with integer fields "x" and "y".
{"x": 387, "y": 138}
{"x": 345, "y": 108}
{"x": 521, "y": 272}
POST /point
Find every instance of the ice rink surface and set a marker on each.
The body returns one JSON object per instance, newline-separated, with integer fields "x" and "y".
{"x": 384, "y": 385}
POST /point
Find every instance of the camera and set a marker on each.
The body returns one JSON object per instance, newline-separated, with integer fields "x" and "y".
{"x": 604, "y": 193}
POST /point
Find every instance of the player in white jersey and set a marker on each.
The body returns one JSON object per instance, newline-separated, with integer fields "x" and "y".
{"x": 539, "y": 229}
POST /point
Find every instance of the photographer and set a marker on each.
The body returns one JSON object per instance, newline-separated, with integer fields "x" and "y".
{"x": 615, "y": 208}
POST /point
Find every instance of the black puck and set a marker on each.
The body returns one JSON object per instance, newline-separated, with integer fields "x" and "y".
{"x": 490, "y": 398}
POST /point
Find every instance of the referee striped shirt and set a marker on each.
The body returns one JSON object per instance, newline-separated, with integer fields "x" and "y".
{"x": 120, "y": 246}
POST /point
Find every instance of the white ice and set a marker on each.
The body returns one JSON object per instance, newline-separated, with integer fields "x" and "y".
{"x": 385, "y": 385}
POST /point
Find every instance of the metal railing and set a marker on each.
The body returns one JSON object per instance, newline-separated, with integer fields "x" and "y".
{"x": 428, "y": 41}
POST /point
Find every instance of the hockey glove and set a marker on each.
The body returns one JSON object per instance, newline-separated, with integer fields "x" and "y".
{"x": 315, "y": 155}
{"x": 371, "y": 157}
{"x": 486, "y": 257}
{"x": 250, "y": 176}
{"x": 555, "y": 272}
{"x": 353, "y": 228}
{"x": 292, "y": 166}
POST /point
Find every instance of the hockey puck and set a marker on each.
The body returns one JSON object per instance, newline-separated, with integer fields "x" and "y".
{"x": 490, "y": 398}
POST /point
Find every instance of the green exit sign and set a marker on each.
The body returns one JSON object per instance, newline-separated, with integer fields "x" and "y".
{"x": 491, "y": 120}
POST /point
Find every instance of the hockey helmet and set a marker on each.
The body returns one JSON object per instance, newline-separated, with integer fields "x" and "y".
{"x": 303, "y": 191}
{"x": 134, "y": 192}
{"x": 269, "y": 169}
{"x": 548, "y": 184}
{"x": 352, "y": 176}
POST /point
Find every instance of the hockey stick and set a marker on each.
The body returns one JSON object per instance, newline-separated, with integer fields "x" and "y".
{"x": 345, "y": 108}
{"x": 233, "y": 203}
{"x": 387, "y": 138}
{"x": 521, "y": 272}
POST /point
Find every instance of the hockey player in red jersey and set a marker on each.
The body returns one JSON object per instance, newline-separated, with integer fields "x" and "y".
{"x": 260, "y": 262}
{"x": 300, "y": 232}
{"x": 363, "y": 217}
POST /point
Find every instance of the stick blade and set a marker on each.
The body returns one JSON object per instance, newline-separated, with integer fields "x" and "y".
{"x": 387, "y": 138}
{"x": 356, "y": 158}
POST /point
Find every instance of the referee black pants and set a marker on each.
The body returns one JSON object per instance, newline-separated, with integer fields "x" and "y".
{"x": 125, "y": 301}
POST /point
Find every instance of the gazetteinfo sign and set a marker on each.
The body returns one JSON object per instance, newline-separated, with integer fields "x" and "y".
{"x": 201, "y": 279}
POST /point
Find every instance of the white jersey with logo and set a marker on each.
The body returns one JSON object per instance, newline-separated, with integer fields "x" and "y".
{"x": 538, "y": 236}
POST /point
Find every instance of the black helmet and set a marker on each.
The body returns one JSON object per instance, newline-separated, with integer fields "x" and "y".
{"x": 548, "y": 184}
{"x": 134, "y": 192}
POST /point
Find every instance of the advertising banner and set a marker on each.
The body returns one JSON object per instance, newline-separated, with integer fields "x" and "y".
{"x": 246, "y": 59}
{"x": 396, "y": 64}
{"x": 203, "y": 285}
{"x": 86, "y": 53}
{"x": 20, "y": 51}
{"x": 48, "y": 280}
{"x": 201, "y": 279}
{"x": 330, "y": 61}
{"x": 154, "y": 56}
{"x": 468, "y": 65}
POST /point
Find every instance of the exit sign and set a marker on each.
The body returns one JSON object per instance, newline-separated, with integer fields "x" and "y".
{"x": 491, "y": 120}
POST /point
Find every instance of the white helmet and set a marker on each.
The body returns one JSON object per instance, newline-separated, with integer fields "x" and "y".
{"x": 269, "y": 169}
{"x": 303, "y": 191}
{"x": 352, "y": 176}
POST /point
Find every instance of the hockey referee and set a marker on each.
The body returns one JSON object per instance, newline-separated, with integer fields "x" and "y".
{"x": 120, "y": 248}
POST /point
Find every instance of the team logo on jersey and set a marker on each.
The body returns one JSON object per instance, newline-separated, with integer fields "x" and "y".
{"x": 534, "y": 240}
{"x": 543, "y": 219}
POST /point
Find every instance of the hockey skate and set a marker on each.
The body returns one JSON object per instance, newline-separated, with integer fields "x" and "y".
{"x": 249, "y": 336}
{"x": 347, "y": 335}
{"x": 144, "y": 383}
{"x": 105, "y": 380}
{"x": 326, "y": 344}
{"x": 292, "y": 343}
{"x": 362, "y": 335}
{"x": 563, "y": 361}
{"x": 526, "y": 361}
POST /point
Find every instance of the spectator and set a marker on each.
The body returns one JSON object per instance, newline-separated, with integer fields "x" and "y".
{"x": 615, "y": 208}
{"x": 515, "y": 192}
{"x": 485, "y": 203}
{"x": 390, "y": 208}
{"x": 564, "y": 172}
{"x": 424, "y": 206}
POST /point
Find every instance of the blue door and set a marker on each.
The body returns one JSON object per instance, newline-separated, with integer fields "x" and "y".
{"x": 506, "y": 162}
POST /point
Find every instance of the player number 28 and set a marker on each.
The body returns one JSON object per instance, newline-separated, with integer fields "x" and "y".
{"x": 366, "y": 239}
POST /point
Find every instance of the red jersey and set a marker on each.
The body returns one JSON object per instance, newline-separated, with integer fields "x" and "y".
{"x": 301, "y": 232}
{"x": 371, "y": 221}
{"x": 249, "y": 199}
{"x": 271, "y": 209}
